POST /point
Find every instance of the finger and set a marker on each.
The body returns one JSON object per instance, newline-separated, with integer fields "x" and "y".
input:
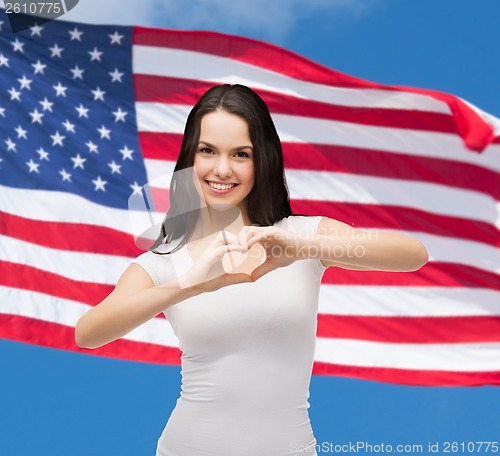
{"x": 233, "y": 279}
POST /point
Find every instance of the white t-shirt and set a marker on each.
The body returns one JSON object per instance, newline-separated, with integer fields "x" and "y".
{"x": 247, "y": 357}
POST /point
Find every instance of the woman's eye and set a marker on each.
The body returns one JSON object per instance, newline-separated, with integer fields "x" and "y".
{"x": 206, "y": 150}
{"x": 242, "y": 154}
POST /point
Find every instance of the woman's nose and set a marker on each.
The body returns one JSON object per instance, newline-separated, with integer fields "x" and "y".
{"x": 222, "y": 168}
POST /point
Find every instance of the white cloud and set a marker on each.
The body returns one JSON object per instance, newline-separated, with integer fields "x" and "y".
{"x": 268, "y": 18}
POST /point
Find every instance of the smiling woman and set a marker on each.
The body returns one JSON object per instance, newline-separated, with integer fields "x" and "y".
{"x": 246, "y": 327}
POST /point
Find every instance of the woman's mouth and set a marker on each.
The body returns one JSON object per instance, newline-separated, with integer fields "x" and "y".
{"x": 220, "y": 189}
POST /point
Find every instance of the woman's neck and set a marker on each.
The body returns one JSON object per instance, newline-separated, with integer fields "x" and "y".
{"x": 211, "y": 220}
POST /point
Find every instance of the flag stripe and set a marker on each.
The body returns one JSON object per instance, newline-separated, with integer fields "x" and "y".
{"x": 411, "y": 301}
{"x": 35, "y": 331}
{"x": 419, "y": 330}
{"x": 409, "y": 376}
{"x": 462, "y": 357}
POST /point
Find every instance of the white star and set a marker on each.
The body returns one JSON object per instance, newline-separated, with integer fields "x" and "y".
{"x": 95, "y": 55}
{"x": 127, "y": 153}
{"x": 69, "y": 126}
{"x": 39, "y": 67}
{"x": 104, "y": 132}
{"x": 77, "y": 72}
{"x": 65, "y": 175}
{"x": 92, "y": 147}
{"x": 78, "y": 161}
{"x": 116, "y": 75}
{"x": 120, "y": 115}
{"x": 4, "y": 61}
{"x": 136, "y": 188}
{"x": 18, "y": 46}
{"x": 36, "y": 30}
{"x": 58, "y": 139}
{"x": 44, "y": 155}
{"x": 25, "y": 82}
{"x": 36, "y": 116}
{"x": 60, "y": 89}
{"x": 2, "y": 111}
{"x": 46, "y": 104}
{"x": 116, "y": 38}
{"x": 14, "y": 94}
{"x": 56, "y": 51}
{"x": 33, "y": 166}
{"x": 82, "y": 112}
{"x": 98, "y": 94}
{"x": 10, "y": 145}
{"x": 99, "y": 184}
{"x": 21, "y": 133}
{"x": 75, "y": 34}
{"x": 114, "y": 167}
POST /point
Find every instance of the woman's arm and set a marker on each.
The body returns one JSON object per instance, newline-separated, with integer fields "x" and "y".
{"x": 339, "y": 244}
{"x": 134, "y": 301}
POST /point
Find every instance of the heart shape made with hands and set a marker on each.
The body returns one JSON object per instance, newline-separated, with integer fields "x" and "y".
{"x": 238, "y": 262}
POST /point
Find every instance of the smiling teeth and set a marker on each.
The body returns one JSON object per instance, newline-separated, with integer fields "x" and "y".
{"x": 220, "y": 186}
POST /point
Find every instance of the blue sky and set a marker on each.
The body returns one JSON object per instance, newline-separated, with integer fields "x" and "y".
{"x": 60, "y": 403}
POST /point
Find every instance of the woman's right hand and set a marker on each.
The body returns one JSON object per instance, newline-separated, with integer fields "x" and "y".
{"x": 207, "y": 272}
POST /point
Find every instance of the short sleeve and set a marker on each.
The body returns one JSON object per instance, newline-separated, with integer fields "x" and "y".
{"x": 159, "y": 267}
{"x": 308, "y": 226}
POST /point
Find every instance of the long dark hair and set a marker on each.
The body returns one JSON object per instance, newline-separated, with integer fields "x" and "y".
{"x": 267, "y": 202}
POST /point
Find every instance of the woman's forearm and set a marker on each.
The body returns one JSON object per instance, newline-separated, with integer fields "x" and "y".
{"x": 116, "y": 316}
{"x": 378, "y": 250}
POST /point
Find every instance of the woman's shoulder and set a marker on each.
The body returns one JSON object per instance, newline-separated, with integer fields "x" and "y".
{"x": 301, "y": 223}
{"x": 158, "y": 265}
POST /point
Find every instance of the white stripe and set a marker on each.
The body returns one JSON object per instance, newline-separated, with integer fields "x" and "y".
{"x": 66, "y": 312}
{"x": 401, "y": 301}
{"x": 425, "y": 196}
{"x": 177, "y": 63}
{"x": 170, "y": 118}
{"x": 82, "y": 266}
{"x": 463, "y": 357}
{"x": 49, "y": 206}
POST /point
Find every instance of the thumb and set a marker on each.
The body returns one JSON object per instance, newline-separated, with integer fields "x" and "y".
{"x": 263, "y": 269}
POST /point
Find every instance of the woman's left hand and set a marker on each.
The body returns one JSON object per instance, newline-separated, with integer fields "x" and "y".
{"x": 282, "y": 247}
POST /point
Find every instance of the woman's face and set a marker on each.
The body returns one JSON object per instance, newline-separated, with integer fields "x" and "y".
{"x": 225, "y": 156}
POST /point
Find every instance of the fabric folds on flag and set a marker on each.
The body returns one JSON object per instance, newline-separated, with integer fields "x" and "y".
{"x": 90, "y": 114}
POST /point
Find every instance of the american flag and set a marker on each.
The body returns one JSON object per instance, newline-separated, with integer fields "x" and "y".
{"x": 90, "y": 114}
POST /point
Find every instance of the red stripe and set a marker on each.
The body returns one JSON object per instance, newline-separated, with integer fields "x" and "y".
{"x": 401, "y": 218}
{"x": 163, "y": 89}
{"x": 75, "y": 237}
{"x": 433, "y": 274}
{"x": 410, "y": 329}
{"x": 28, "y": 278}
{"x": 160, "y": 146}
{"x": 409, "y": 376}
{"x": 37, "y": 332}
{"x": 476, "y": 133}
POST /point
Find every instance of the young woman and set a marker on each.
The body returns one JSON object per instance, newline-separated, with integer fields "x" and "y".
{"x": 247, "y": 330}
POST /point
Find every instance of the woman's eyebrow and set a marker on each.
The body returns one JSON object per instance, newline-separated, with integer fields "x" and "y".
{"x": 214, "y": 147}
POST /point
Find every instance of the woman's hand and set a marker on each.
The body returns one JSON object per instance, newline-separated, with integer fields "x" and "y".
{"x": 207, "y": 273}
{"x": 282, "y": 247}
